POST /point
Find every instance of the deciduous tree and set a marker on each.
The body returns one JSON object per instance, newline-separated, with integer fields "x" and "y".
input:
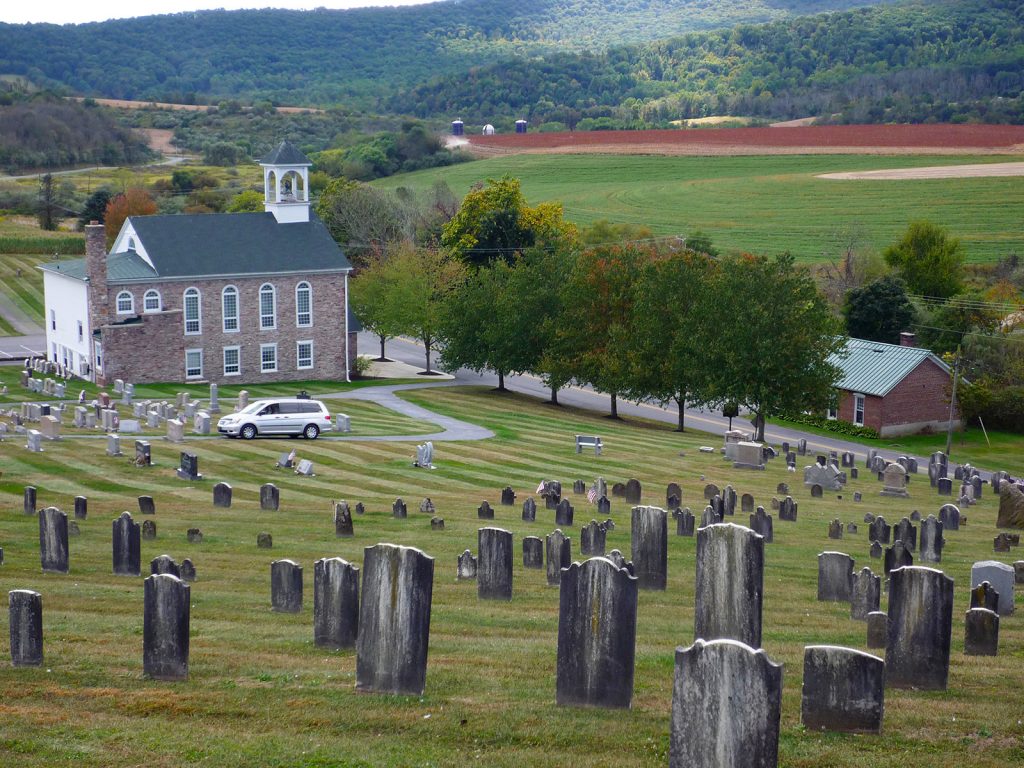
{"x": 879, "y": 311}
{"x": 928, "y": 260}
{"x": 131, "y": 202}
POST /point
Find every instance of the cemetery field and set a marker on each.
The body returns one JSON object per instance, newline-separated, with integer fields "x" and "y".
{"x": 762, "y": 204}
{"x": 260, "y": 693}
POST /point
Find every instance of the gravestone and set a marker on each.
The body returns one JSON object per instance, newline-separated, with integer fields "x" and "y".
{"x": 270, "y": 497}
{"x": 222, "y": 495}
{"x": 578, "y": 486}
{"x": 835, "y": 529}
{"x": 558, "y": 551}
{"x": 877, "y": 550}
{"x": 730, "y": 584}
{"x": 34, "y": 441}
{"x": 851, "y": 528}
{"x": 81, "y": 507}
{"x": 835, "y": 576}
{"x": 214, "y": 399}
{"x": 465, "y": 568}
{"x": 25, "y": 613}
{"x": 53, "y": 540}
{"x": 394, "y": 620}
{"x": 148, "y": 530}
{"x": 29, "y": 500}
{"x": 399, "y": 510}
{"x": 49, "y": 427}
{"x": 762, "y": 523}
{"x": 897, "y": 556}
{"x": 564, "y": 513}
{"x": 533, "y": 552}
{"x": 749, "y": 455}
{"x": 530, "y": 510}
{"x": 143, "y": 453}
{"x": 604, "y": 506}
{"x": 1000, "y": 576}
{"x": 114, "y": 445}
{"x": 286, "y": 586}
{"x": 592, "y": 539}
{"x": 905, "y": 532}
{"x": 494, "y": 564}
{"x": 305, "y": 468}
{"x": 596, "y": 635}
{"x": 165, "y": 627}
{"x": 747, "y": 503}
{"x": 848, "y": 459}
{"x": 243, "y": 400}
{"x": 710, "y": 491}
{"x": 78, "y": 420}
{"x": 920, "y": 626}
{"x": 878, "y": 629}
{"x": 944, "y": 486}
{"x": 828, "y": 477}
{"x": 335, "y": 603}
{"x": 1011, "y": 506}
{"x": 194, "y": 536}
{"x": 437, "y": 523}
{"x": 508, "y": 496}
{"x": 728, "y": 500}
{"x": 709, "y": 517}
{"x": 126, "y": 546}
{"x": 865, "y": 595}
{"x": 894, "y": 481}
{"x": 879, "y": 530}
{"x": 725, "y": 682}
{"x": 485, "y": 512}
{"x": 1001, "y": 543}
{"x": 342, "y": 521}
{"x": 816, "y": 491}
{"x": 843, "y": 690}
{"x": 619, "y": 489}
{"x": 633, "y": 491}
{"x": 649, "y": 535}
{"x": 175, "y": 431}
{"x": 264, "y": 540}
{"x": 360, "y": 509}
{"x": 981, "y": 632}
{"x": 949, "y": 516}
{"x": 684, "y": 522}
{"x": 985, "y": 596}
{"x": 915, "y": 516}
{"x": 188, "y": 570}
{"x": 672, "y": 490}
{"x": 189, "y": 467}
{"x": 788, "y": 509}
{"x": 146, "y": 505}
{"x": 427, "y": 506}
{"x": 164, "y": 564}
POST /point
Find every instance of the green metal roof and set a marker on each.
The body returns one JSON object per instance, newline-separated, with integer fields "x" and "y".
{"x": 874, "y": 368}
{"x": 120, "y": 266}
{"x": 285, "y": 153}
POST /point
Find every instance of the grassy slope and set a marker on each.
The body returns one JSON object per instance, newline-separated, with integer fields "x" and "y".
{"x": 261, "y": 694}
{"x": 761, "y": 204}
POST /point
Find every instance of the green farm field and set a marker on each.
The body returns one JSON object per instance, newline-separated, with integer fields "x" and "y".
{"x": 762, "y": 204}
{"x": 261, "y": 694}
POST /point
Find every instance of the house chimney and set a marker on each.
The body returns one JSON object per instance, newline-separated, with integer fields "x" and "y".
{"x": 96, "y": 272}
{"x": 908, "y": 339}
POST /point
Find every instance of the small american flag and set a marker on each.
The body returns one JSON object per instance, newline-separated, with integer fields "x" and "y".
{"x": 540, "y": 488}
{"x": 592, "y": 495}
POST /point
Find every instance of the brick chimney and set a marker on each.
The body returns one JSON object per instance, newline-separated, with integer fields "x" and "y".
{"x": 96, "y": 271}
{"x": 908, "y": 339}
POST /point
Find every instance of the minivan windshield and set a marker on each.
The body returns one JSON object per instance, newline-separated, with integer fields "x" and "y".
{"x": 254, "y": 407}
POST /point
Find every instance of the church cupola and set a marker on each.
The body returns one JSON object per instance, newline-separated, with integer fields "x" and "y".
{"x": 286, "y": 184}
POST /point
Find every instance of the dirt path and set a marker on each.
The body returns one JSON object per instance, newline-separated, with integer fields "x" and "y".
{"x": 975, "y": 171}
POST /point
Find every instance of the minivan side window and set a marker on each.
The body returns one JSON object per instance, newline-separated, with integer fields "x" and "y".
{"x": 270, "y": 410}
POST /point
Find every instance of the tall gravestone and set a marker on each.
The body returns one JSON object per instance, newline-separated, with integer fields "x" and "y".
{"x": 931, "y": 540}
{"x": 343, "y": 521}
{"x": 879, "y": 530}
{"x": 494, "y": 564}
{"x": 270, "y": 497}
{"x": 81, "y": 507}
{"x": 53, "y": 540}
{"x": 533, "y": 552}
{"x": 730, "y": 584}
{"x": 685, "y": 522}
{"x": 286, "y": 586}
{"x": 26, "y": 625}
{"x": 564, "y": 513}
{"x": 592, "y": 539}
{"x": 165, "y": 627}
{"x": 726, "y": 706}
{"x": 866, "y": 594}
{"x": 649, "y": 535}
{"x": 29, "y": 500}
{"x": 906, "y": 532}
{"x": 335, "y": 603}
{"x": 835, "y": 577}
{"x": 843, "y": 690}
{"x": 920, "y": 627}
{"x": 126, "y": 546}
{"x": 529, "y": 510}
{"x": 596, "y": 635}
{"x": 558, "y": 548}
{"x": 394, "y": 620}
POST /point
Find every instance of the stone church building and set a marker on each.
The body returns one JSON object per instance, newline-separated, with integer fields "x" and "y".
{"x": 232, "y": 297}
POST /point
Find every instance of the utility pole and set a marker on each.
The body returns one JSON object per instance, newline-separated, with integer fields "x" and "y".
{"x": 952, "y": 403}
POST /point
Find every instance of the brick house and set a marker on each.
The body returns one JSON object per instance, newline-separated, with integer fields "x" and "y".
{"x": 895, "y": 389}
{"x": 236, "y": 297}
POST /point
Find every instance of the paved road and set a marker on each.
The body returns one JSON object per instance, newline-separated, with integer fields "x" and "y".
{"x": 20, "y": 347}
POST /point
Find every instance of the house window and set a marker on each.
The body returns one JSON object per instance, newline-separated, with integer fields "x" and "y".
{"x": 229, "y": 303}
{"x": 303, "y": 305}
{"x": 304, "y": 354}
{"x": 268, "y": 358}
{"x": 232, "y": 361}
{"x": 53, "y": 320}
{"x": 81, "y": 331}
{"x": 98, "y": 348}
{"x": 193, "y": 363}
{"x": 125, "y": 303}
{"x": 151, "y": 301}
{"x": 858, "y": 410}
{"x": 268, "y": 307}
{"x": 192, "y": 311}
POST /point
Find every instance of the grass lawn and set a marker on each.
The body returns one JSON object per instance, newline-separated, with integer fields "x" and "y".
{"x": 766, "y": 204}
{"x": 261, "y": 694}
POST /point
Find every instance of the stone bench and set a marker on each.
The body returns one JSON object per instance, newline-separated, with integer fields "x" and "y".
{"x": 588, "y": 441}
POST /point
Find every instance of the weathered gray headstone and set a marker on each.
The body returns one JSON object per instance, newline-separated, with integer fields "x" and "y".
{"x": 558, "y": 550}
{"x": 843, "y": 690}
{"x": 747, "y": 503}
{"x": 684, "y": 522}
{"x": 146, "y": 505}
{"x": 485, "y": 511}
{"x": 879, "y": 530}
{"x": 29, "y": 500}
{"x": 494, "y": 564}
{"x": 865, "y": 597}
{"x": 1000, "y": 576}
{"x": 53, "y": 540}
{"x": 26, "y": 625}
{"x": 188, "y": 570}
{"x": 148, "y": 530}
{"x": 164, "y": 564}
{"x": 762, "y": 523}
{"x": 270, "y": 497}
{"x": 194, "y": 536}
{"x": 649, "y": 534}
{"x": 984, "y": 595}
{"x": 143, "y": 453}
{"x": 81, "y": 507}
{"x": 596, "y": 635}
{"x": 126, "y": 546}
{"x": 564, "y": 513}
{"x": 286, "y": 586}
{"x": 436, "y": 523}
{"x": 633, "y": 491}
{"x": 920, "y": 627}
{"x": 835, "y": 576}
{"x": 788, "y": 509}
{"x": 466, "y": 568}
{"x": 897, "y": 556}
{"x": 710, "y": 491}
{"x": 673, "y": 490}
{"x": 529, "y": 510}
{"x": 1018, "y": 572}
{"x": 508, "y": 496}
{"x": 906, "y": 532}
{"x": 604, "y": 506}
{"x": 726, "y": 705}
{"x": 894, "y": 481}
{"x": 335, "y": 603}
{"x": 165, "y": 627}
{"x": 394, "y": 620}
{"x": 592, "y": 539}
{"x": 399, "y": 509}
{"x": 931, "y": 540}
{"x": 264, "y": 540}
{"x": 342, "y": 520}
{"x": 533, "y": 552}
{"x": 878, "y": 629}
{"x": 222, "y": 495}
{"x": 730, "y": 584}
{"x": 945, "y": 486}
{"x": 835, "y": 529}
{"x": 981, "y": 632}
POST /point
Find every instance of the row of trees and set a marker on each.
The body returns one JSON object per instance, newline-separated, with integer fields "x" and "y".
{"x": 634, "y": 321}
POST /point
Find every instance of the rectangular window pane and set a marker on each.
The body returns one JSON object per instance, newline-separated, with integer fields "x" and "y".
{"x": 303, "y": 314}
{"x": 305, "y": 354}
{"x": 858, "y": 410}
{"x": 230, "y": 312}
{"x": 268, "y": 357}
{"x": 266, "y": 310}
{"x": 232, "y": 365}
{"x": 193, "y": 363}
{"x": 191, "y": 314}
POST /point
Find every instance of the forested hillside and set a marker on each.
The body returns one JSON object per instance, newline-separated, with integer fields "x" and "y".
{"x": 356, "y": 56}
{"x": 924, "y": 60}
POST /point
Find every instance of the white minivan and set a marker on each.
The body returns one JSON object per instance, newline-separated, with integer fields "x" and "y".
{"x": 279, "y": 416}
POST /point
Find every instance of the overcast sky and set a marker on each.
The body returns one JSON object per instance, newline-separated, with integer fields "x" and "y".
{"x": 79, "y": 11}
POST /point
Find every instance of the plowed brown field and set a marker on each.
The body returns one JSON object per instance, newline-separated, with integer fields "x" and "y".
{"x": 834, "y": 139}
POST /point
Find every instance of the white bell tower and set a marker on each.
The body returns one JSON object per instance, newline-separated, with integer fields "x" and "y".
{"x": 286, "y": 184}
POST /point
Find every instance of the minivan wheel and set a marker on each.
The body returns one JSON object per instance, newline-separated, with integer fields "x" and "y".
{"x": 311, "y": 431}
{"x": 248, "y": 432}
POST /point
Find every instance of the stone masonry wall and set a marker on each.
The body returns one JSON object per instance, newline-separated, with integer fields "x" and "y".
{"x": 154, "y": 348}
{"x": 921, "y": 397}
